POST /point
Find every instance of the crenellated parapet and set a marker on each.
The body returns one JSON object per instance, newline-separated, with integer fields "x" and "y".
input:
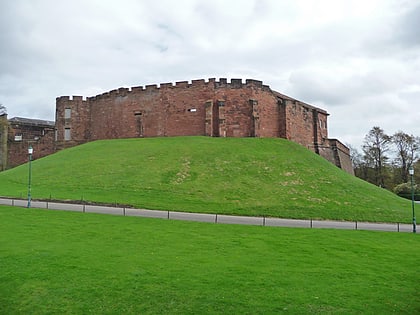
{"x": 74, "y": 98}
{"x": 153, "y": 88}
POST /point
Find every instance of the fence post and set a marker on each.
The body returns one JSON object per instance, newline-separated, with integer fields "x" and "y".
{"x": 356, "y": 225}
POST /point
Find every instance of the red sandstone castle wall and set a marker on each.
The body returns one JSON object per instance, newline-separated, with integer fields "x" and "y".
{"x": 266, "y": 112}
{"x": 185, "y": 107}
{"x": 233, "y": 108}
{"x": 213, "y": 108}
{"x": 165, "y": 111}
{"x": 305, "y": 125}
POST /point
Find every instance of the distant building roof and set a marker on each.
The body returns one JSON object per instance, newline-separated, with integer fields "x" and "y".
{"x": 32, "y": 122}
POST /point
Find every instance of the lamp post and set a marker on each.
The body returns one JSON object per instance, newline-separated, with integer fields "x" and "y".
{"x": 30, "y": 152}
{"x": 411, "y": 172}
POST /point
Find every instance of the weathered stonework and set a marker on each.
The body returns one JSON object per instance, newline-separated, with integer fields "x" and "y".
{"x": 213, "y": 108}
{"x": 23, "y": 132}
{"x": 4, "y": 128}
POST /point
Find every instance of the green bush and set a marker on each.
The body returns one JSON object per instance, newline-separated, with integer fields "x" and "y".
{"x": 404, "y": 190}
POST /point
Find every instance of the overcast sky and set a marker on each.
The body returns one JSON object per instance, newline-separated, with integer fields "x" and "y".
{"x": 359, "y": 60}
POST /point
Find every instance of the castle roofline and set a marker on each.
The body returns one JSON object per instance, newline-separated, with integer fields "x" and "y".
{"x": 32, "y": 122}
{"x": 222, "y": 82}
{"x": 282, "y": 96}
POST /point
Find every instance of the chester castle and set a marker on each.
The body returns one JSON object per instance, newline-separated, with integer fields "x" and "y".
{"x": 214, "y": 108}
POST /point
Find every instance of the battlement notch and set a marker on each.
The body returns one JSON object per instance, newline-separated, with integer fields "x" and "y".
{"x": 236, "y": 83}
{"x": 199, "y": 82}
{"x": 255, "y": 83}
{"x": 151, "y": 88}
{"x": 181, "y": 84}
{"x": 166, "y": 85}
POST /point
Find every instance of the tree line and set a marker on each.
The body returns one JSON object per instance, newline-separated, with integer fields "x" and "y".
{"x": 385, "y": 160}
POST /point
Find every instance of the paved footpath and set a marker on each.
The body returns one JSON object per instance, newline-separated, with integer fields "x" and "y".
{"x": 211, "y": 218}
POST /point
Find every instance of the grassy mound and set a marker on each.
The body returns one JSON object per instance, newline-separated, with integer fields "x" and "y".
{"x": 55, "y": 262}
{"x": 246, "y": 176}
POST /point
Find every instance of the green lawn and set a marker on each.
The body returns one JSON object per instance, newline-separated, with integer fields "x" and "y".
{"x": 56, "y": 262}
{"x": 244, "y": 176}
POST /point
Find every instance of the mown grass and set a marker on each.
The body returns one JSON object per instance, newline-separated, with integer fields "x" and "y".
{"x": 56, "y": 262}
{"x": 247, "y": 176}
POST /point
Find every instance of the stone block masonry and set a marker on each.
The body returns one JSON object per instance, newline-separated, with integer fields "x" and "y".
{"x": 3, "y": 141}
{"x": 18, "y": 133}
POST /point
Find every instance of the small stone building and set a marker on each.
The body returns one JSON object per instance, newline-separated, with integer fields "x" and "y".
{"x": 16, "y": 136}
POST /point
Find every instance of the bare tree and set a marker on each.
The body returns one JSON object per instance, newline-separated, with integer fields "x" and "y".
{"x": 407, "y": 147}
{"x": 360, "y": 168}
{"x": 3, "y": 110}
{"x": 355, "y": 156}
{"x": 375, "y": 147}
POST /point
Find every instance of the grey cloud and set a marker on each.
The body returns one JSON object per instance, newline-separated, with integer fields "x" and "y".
{"x": 409, "y": 27}
{"x": 335, "y": 87}
{"x": 396, "y": 34}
